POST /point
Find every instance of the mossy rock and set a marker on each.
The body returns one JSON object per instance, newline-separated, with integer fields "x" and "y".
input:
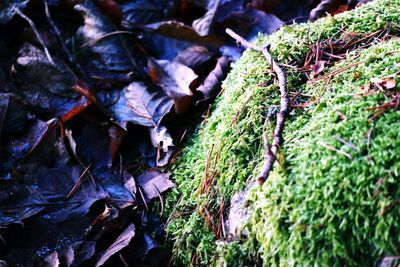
{"x": 333, "y": 196}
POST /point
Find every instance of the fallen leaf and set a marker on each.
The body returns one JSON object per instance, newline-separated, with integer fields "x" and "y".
{"x": 384, "y": 83}
{"x": 13, "y": 115}
{"x": 327, "y": 6}
{"x": 116, "y": 134}
{"x": 318, "y": 67}
{"x": 141, "y": 105}
{"x": 106, "y": 53}
{"x": 154, "y": 183}
{"x": 162, "y": 140}
{"x": 194, "y": 57}
{"x": 121, "y": 242}
{"x": 180, "y": 31}
{"x": 46, "y": 87}
{"x": 175, "y": 79}
{"x": 212, "y": 83}
{"x": 141, "y": 12}
{"x": 18, "y": 202}
{"x": 204, "y": 25}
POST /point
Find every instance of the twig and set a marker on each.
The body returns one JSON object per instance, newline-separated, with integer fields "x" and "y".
{"x": 94, "y": 41}
{"x": 38, "y": 36}
{"x": 334, "y": 149}
{"x": 347, "y": 143}
{"x": 71, "y": 58}
{"x": 281, "y": 117}
{"x": 78, "y": 182}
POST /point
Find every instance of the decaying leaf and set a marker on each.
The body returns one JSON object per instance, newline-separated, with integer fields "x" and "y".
{"x": 46, "y": 87}
{"x": 107, "y": 55}
{"x": 141, "y": 12}
{"x": 194, "y": 57}
{"x": 163, "y": 142}
{"x": 180, "y": 31}
{"x": 18, "y": 202}
{"x": 116, "y": 134}
{"x": 384, "y": 83}
{"x": 212, "y": 83}
{"x": 141, "y": 105}
{"x": 318, "y": 67}
{"x": 153, "y": 183}
{"x": 121, "y": 242}
{"x": 175, "y": 79}
{"x": 203, "y": 25}
{"x": 13, "y": 115}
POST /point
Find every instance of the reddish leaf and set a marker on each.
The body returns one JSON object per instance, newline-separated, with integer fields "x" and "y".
{"x": 116, "y": 134}
{"x": 384, "y": 83}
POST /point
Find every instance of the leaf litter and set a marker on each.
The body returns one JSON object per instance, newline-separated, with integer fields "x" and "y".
{"x": 94, "y": 97}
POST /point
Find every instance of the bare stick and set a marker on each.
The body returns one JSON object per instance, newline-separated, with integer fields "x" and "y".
{"x": 70, "y": 56}
{"x": 38, "y": 36}
{"x": 281, "y": 117}
{"x": 334, "y": 149}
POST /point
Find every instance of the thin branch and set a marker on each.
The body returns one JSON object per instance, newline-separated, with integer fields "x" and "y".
{"x": 94, "y": 41}
{"x": 38, "y": 36}
{"x": 71, "y": 57}
{"x": 334, "y": 149}
{"x": 78, "y": 182}
{"x": 282, "y": 115}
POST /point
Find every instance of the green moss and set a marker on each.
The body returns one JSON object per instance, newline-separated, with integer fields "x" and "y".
{"x": 318, "y": 206}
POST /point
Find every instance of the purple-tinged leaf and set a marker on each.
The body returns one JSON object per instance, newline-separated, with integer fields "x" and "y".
{"x": 140, "y": 105}
{"x": 154, "y": 183}
{"x": 121, "y": 242}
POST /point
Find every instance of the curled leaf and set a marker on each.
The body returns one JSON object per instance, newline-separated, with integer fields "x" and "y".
{"x": 212, "y": 83}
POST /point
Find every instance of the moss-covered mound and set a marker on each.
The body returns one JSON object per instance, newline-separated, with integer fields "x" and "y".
{"x": 333, "y": 196}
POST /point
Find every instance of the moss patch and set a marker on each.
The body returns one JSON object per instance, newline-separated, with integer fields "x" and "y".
{"x": 318, "y": 206}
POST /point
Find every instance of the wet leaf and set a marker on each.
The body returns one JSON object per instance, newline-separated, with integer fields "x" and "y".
{"x": 141, "y": 105}
{"x": 194, "y": 57}
{"x": 18, "y": 202}
{"x": 13, "y": 115}
{"x": 141, "y": 12}
{"x": 121, "y": 242}
{"x": 175, "y": 79}
{"x": 154, "y": 183}
{"x": 105, "y": 52}
{"x": 47, "y": 88}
